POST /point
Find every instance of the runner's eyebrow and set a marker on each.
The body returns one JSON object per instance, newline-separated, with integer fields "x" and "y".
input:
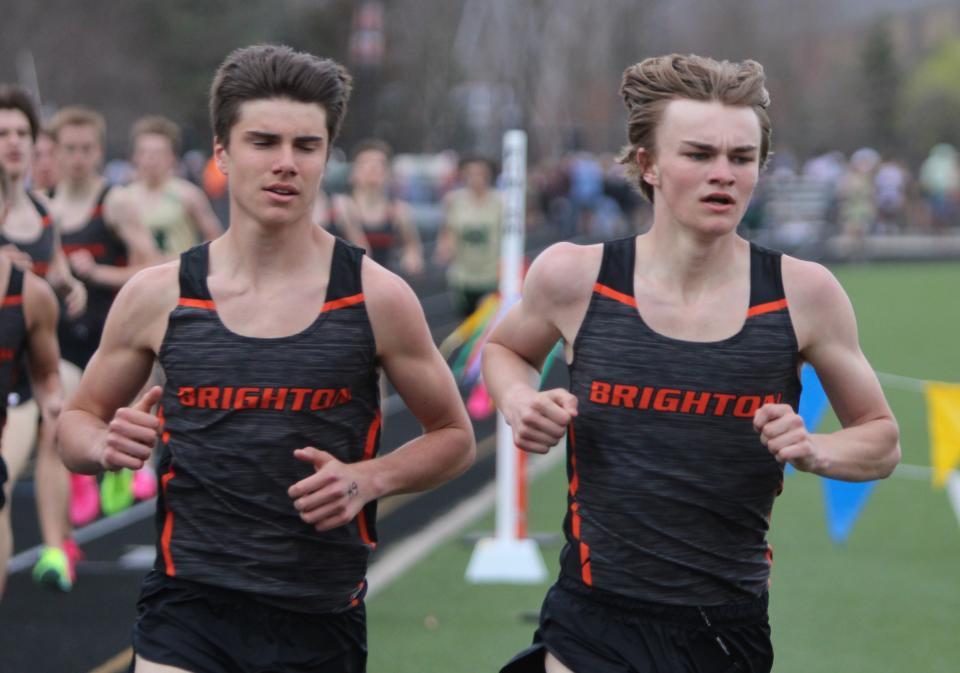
{"x": 707, "y": 147}
{"x": 265, "y": 135}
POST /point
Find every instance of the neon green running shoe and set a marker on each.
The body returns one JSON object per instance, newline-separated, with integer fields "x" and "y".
{"x": 116, "y": 492}
{"x": 52, "y": 569}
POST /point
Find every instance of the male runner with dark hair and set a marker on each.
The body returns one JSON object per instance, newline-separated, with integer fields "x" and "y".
{"x": 29, "y": 237}
{"x": 685, "y": 345}
{"x": 271, "y": 338}
{"x": 28, "y": 327}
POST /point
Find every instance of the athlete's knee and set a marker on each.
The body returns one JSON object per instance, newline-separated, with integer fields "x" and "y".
{"x": 144, "y": 666}
{"x": 552, "y": 665}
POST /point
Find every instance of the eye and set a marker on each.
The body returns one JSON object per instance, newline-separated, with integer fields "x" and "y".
{"x": 698, "y": 156}
{"x": 742, "y": 160}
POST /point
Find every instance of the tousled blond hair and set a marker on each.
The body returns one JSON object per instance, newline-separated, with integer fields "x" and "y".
{"x": 78, "y": 115}
{"x": 648, "y": 86}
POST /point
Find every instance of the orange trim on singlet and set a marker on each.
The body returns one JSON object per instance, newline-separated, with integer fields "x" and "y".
{"x": 197, "y": 303}
{"x": 368, "y": 450}
{"x": 769, "y": 307}
{"x": 356, "y": 601}
{"x": 364, "y": 532}
{"x": 613, "y": 294}
{"x": 380, "y": 239}
{"x": 167, "y": 528}
{"x": 40, "y": 268}
{"x": 95, "y": 249}
{"x": 46, "y": 221}
{"x": 371, "y": 443}
{"x": 13, "y": 300}
{"x": 342, "y": 303}
{"x": 585, "y": 572}
{"x": 164, "y": 436}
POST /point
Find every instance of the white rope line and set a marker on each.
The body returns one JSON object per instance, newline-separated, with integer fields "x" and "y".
{"x": 903, "y": 382}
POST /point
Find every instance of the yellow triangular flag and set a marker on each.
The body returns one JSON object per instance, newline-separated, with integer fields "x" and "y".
{"x": 943, "y": 412}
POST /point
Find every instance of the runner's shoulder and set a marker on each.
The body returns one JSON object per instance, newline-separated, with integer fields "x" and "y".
{"x": 564, "y": 273}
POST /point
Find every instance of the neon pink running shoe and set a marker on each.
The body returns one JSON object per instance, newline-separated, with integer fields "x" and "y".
{"x": 144, "y": 483}
{"x": 74, "y": 556}
{"x": 84, "y": 499}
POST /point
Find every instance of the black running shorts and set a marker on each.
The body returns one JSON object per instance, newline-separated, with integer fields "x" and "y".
{"x": 594, "y": 632}
{"x": 200, "y": 628}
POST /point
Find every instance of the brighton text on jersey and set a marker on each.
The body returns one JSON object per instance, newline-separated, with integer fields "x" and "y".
{"x": 674, "y": 400}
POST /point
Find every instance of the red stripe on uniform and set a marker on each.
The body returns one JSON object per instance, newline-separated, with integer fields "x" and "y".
{"x": 364, "y": 532}
{"x": 769, "y": 307}
{"x": 167, "y": 528}
{"x": 164, "y": 436}
{"x": 585, "y": 572}
{"x": 613, "y": 294}
{"x": 197, "y": 303}
{"x": 13, "y": 300}
{"x": 585, "y": 565}
{"x": 342, "y": 303}
{"x": 368, "y": 452}
{"x": 371, "y": 444}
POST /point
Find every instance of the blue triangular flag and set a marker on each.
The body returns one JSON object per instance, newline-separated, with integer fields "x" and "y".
{"x": 844, "y": 501}
{"x": 813, "y": 402}
{"x": 813, "y": 399}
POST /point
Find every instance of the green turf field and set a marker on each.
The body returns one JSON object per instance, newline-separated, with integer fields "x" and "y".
{"x": 887, "y": 601}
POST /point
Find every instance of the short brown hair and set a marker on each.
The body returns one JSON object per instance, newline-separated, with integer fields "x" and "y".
{"x": 13, "y": 97}
{"x": 648, "y": 86}
{"x": 373, "y": 145}
{"x": 277, "y": 71}
{"x": 79, "y": 115}
{"x": 157, "y": 125}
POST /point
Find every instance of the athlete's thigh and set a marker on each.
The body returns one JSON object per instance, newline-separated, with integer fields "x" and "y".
{"x": 144, "y": 666}
{"x": 552, "y": 665}
{"x": 19, "y": 437}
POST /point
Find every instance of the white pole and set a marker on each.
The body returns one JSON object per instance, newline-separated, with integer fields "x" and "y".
{"x": 504, "y": 558}
{"x": 511, "y": 259}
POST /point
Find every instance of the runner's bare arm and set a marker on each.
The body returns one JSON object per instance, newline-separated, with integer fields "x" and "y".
{"x": 412, "y": 259}
{"x": 347, "y": 221}
{"x": 336, "y": 492}
{"x": 555, "y": 297}
{"x": 41, "y": 313}
{"x": 73, "y": 292}
{"x": 443, "y": 252}
{"x": 201, "y": 212}
{"x": 868, "y": 446}
{"x": 124, "y": 220}
{"x": 100, "y": 428}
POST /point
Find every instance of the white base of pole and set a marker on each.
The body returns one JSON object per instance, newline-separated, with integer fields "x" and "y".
{"x": 506, "y": 561}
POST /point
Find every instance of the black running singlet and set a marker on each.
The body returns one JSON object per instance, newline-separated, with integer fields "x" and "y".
{"x": 41, "y": 248}
{"x": 382, "y": 237}
{"x": 233, "y": 410}
{"x": 80, "y": 337}
{"x": 41, "y": 252}
{"x": 13, "y": 338}
{"x": 671, "y": 489}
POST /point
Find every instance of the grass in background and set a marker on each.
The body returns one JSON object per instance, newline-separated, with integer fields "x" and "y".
{"x": 888, "y": 600}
